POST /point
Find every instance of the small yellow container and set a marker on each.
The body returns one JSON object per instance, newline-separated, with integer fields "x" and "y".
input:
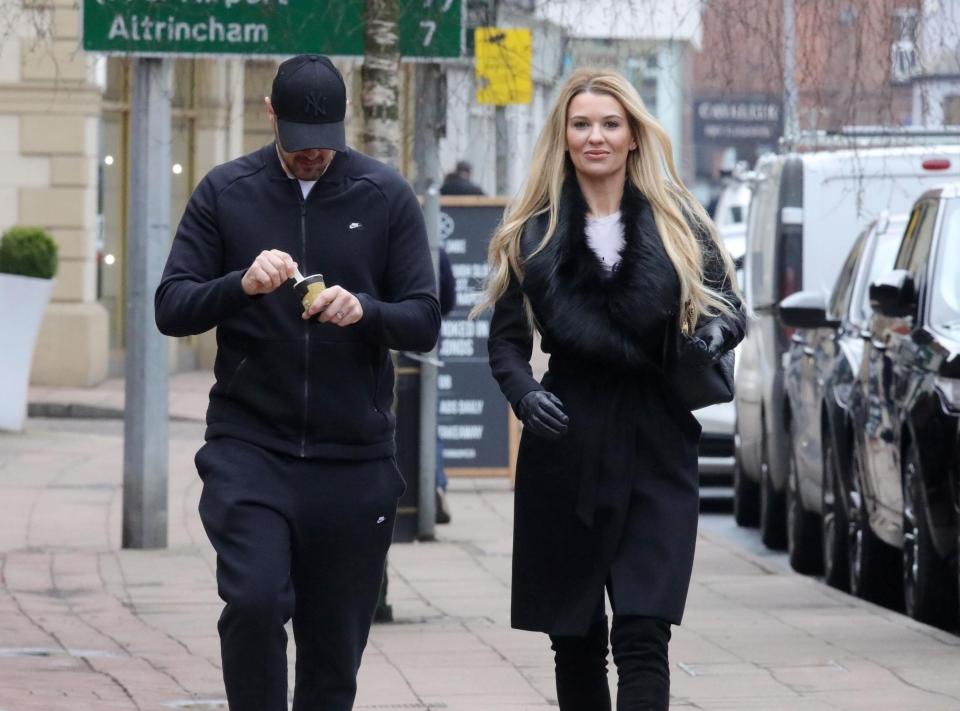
{"x": 309, "y": 288}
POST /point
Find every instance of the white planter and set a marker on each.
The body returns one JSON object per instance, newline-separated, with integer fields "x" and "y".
{"x": 22, "y": 303}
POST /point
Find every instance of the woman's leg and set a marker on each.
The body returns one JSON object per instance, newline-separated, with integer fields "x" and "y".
{"x": 640, "y": 652}
{"x": 581, "y": 668}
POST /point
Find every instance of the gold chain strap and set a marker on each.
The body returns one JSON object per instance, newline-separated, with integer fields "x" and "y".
{"x": 688, "y": 319}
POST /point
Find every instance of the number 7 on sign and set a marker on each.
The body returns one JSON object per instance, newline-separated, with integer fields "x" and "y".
{"x": 430, "y": 26}
{"x": 443, "y": 8}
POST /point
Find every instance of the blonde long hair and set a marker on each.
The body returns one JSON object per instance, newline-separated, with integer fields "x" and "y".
{"x": 650, "y": 168}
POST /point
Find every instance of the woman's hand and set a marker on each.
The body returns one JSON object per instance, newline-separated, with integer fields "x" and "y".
{"x": 542, "y": 412}
{"x": 708, "y": 342}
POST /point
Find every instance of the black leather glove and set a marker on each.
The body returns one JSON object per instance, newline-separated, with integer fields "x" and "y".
{"x": 542, "y": 412}
{"x": 707, "y": 343}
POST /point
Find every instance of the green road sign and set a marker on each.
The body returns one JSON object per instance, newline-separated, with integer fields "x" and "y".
{"x": 428, "y": 28}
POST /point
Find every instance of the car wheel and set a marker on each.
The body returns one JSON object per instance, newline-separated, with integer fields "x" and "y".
{"x": 927, "y": 580}
{"x": 746, "y": 494}
{"x": 872, "y": 562}
{"x": 773, "y": 525}
{"x": 833, "y": 521}
{"x": 803, "y": 527}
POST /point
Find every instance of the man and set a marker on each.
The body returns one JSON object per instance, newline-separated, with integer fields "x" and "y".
{"x": 300, "y": 486}
{"x": 458, "y": 182}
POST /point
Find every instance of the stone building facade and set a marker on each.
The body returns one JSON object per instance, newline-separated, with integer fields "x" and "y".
{"x": 49, "y": 119}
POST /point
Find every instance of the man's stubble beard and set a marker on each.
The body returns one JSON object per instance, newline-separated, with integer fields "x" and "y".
{"x": 308, "y": 173}
{"x": 305, "y": 173}
{"x": 298, "y": 172}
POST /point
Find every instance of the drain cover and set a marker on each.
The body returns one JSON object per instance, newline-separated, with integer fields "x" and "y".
{"x": 29, "y": 651}
{"x": 54, "y": 652}
{"x": 197, "y": 704}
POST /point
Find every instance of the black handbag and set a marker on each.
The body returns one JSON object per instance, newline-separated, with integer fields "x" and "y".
{"x": 696, "y": 383}
{"x": 699, "y": 385}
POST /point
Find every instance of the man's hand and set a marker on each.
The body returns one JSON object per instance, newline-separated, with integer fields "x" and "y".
{"x": 269, "y": 270}
{"x": 335, "y": 305}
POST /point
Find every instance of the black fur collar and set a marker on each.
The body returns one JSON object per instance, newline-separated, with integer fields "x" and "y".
{"x": 620, "y": 316}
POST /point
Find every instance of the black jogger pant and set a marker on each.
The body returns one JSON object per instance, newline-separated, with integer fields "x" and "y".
{"x": 295, "y": 538}
{"x": 640, "y": 653}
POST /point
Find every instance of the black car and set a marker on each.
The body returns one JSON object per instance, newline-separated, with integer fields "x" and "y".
{"x": 819, "y": 371}
{"x": 906, "y": 413}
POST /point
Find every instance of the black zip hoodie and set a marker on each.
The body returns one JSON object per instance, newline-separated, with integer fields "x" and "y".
{"x": 303, "y": 388}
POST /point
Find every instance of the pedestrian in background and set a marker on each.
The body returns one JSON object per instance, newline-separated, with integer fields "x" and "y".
{"x": 300, "y": 485}
{"x": 458, "y": 182}
{"x": 618, "y": 266}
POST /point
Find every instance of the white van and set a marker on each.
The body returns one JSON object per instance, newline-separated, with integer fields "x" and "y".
{"x": 807, "y": 209}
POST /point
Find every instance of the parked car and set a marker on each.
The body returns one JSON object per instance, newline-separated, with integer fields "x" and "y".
{"x": 820, "y": 369}
{"x": 806, "y": 210}
{"x": 715, "y": 453}
{"x": 716, "y": 450}
{"x": 906, "y": 413}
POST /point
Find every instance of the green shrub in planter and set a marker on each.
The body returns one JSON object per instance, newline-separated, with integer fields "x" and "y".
{"x": 28, "y": 251}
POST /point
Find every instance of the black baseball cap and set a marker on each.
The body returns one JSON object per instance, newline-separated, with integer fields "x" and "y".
{"x": 309, "y": 99}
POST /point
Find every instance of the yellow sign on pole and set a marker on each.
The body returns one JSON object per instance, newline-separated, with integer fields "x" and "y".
{"x": 504, "y": 60}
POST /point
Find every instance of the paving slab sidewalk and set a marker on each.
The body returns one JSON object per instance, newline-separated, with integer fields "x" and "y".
{"x": 85, "y": 624}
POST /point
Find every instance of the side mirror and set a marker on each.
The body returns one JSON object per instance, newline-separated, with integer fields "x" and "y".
{"x": 894, "y": 295}
{"x": 806, "y": 309}
{"x": 950, "y": 368}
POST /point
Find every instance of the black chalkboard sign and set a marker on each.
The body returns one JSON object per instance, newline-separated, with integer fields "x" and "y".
{"x": 474, "y": 421}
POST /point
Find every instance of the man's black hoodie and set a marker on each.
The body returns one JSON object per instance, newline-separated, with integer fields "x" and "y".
{"x": 303, "y": 388}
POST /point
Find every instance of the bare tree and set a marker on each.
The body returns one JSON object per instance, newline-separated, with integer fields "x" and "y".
{"x": 380, "y": 85}
{"x": 843, "y": 57}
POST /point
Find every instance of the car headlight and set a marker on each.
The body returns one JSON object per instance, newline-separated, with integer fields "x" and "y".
{"x": 950, "y": 391}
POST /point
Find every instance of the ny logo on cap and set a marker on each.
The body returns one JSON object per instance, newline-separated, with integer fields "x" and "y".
{"x": 315, "y": 105}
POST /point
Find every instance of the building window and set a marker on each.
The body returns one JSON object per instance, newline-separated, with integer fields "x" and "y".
{"x": 904, "y": 60}
{"x": 951, "y": 110}
{"x": 643, "y": 74}
{"x": 112, "y": 196}
{"x": 114, "y": 177}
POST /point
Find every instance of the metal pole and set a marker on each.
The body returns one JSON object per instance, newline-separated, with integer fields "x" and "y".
{"x": 502, "y": 143}
{"x": 148, "y": 233}
{"x": 427, "y": 505}
{"x": 501, "y": 128}
{"x": 430, "y": 81}
{"x": 791, "y": 123}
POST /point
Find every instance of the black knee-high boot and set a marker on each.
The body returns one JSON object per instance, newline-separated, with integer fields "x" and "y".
{"x": 581, "y": 664}
{"x": 640, "y": 652}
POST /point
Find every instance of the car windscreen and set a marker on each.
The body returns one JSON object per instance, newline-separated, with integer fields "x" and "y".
{"x": 881, "y": 259}
{"x": 945, "y": 294}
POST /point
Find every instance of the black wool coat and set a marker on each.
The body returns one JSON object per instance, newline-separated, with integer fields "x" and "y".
{"x": 631, "y": 446}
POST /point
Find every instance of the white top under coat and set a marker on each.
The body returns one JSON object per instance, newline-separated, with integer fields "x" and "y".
{"x": 606, "y": 238}
{"x": 306, "y": 186}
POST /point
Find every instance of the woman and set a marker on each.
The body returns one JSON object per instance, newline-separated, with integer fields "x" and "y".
{"x": 616, "y": 264}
